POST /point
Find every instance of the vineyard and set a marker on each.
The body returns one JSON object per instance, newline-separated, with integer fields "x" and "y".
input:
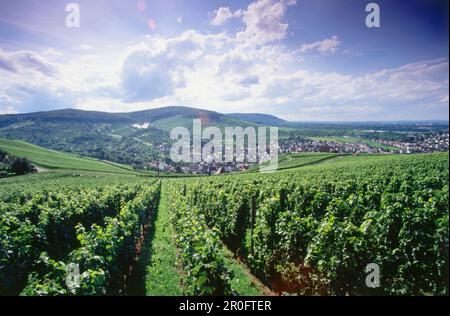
{"x": 313, "y": 232}
{"x": 302, "y": 231}
{"x": 96, "y": 228}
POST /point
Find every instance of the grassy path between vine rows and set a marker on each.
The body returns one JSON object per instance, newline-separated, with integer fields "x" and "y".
{"x": 162, "y": 275}
{"x": 243, "y": 282}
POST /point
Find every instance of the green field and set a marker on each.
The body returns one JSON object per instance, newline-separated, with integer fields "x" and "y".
{"x": 291, "y": 161}
{"x": 50, "y": 159}
{"x": 355, "y": 140}
{"x": 298, "y": 160}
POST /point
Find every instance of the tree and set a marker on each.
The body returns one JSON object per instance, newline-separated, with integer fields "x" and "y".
{"x": 2, "y": 155}
{"x": 21, "y": 166}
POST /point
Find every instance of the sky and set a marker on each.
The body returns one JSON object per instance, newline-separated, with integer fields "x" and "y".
{"x": 302, "y": 60}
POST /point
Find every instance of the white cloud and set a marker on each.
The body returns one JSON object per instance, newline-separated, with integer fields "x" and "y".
{"x": 222, "y": 15}
{"x": 6, "y": 104}
{"x": 234, "y": 76}
{"x": 6, "y": 99}
{"x": 109, "y": 104}
{"x": 180, "y": 20}
{"x": 52, "y": 53}
{"x": 264, "y": 21}
{"x": 249, "y": 71}
{"x": 82, "y": 48}
{"x": 326, "y": 46}
{"x": 147, "y": 77}
{"x": 7, "y": 110}
{"x": 24, "y": 60}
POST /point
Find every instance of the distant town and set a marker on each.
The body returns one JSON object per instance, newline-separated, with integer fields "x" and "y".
{"x": 417, "y": 143}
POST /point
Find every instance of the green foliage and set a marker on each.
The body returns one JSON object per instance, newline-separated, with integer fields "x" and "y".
{"x": 201, "y": 253}
{"x": 95, "y": 228}
{"x": 305, "y": 231}
{"x": 10, "y": 165}
{"x": 108, "y": 136}
{"x": 58, "y": 160}
{"x": 20, "y": 189}
{"x": 21, "y": 166}
{"x": 291, "y": 161}
{"x": 313, "y": 231}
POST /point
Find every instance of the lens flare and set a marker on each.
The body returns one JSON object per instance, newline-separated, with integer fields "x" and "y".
{"x": 141, "y": 5}
{"x": 151, "y": 24}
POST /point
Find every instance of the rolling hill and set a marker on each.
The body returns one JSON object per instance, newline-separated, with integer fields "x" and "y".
{"x": 259, "y": 119}
{"x": 162, "y": 118}
{"x": 140, "y": 138}
{"x": 133, "y": 138}
{"x": 50, "y": 159}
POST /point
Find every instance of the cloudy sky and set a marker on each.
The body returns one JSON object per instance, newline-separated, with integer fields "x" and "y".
{"x": 298, "y": 59}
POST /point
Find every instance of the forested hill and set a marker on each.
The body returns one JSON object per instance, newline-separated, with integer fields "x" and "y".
{"x": 133, "y": 138}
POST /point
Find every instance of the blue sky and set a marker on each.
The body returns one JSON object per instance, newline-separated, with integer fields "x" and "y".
{"x": 298, "y": 59}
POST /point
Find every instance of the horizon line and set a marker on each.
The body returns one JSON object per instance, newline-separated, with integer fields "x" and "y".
{"x": 231, "y": 113}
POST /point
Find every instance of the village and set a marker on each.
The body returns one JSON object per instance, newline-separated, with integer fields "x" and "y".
{"x": 419, "y": 143}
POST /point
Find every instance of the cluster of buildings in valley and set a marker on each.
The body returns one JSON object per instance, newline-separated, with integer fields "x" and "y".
{"x": 421, "y": 143}
{"x": 200, "y": 168}
{"x": 418, "y": 143}
{"x": 208, "y": 166}
{"x": 299, "y": 144}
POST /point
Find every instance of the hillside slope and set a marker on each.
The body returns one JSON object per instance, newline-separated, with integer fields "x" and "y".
{"x": 154, "y": 117}
{"x": 51, "y": 159}
{"x": 259, "y": 119}
{"x": 133, "y": 138}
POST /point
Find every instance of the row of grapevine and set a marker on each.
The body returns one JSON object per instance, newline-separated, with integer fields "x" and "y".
{"x": 201, "y": 252}
{"x": 314, "y": 232}
{"x": 20, "y": 189}
{"x": 96, "y": 229}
